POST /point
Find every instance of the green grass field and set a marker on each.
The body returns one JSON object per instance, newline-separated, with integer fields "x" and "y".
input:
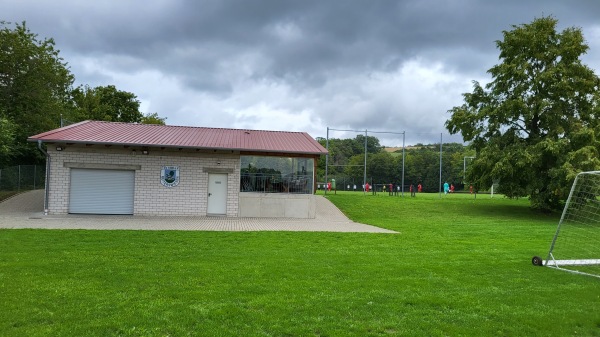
{"x": 458, "y": 267}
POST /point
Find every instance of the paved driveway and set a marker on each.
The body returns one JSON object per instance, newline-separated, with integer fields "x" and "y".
{"x": 26, "y": 211}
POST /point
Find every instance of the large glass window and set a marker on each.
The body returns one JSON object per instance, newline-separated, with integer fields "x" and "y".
{"x": 276, "y": 174}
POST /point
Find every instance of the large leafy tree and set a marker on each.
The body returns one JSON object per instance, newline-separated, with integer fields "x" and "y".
{"x": 36, "y": 94}
{"x": 107, "y": 103}
{"x": 35, "y": 84}
{"x": 534, "y": 126}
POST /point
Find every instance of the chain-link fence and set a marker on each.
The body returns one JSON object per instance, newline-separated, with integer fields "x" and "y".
{"x": 22, "y": 177}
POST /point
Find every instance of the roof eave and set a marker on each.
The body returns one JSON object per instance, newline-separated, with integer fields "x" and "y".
{"x": 171, "y": 146}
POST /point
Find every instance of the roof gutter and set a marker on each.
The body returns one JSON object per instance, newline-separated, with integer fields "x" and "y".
{"x": 47, "y": 184}
{"x": 68, "y": 142}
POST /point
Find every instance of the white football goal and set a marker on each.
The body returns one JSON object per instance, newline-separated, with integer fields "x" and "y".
{"x": 576, "y": 243}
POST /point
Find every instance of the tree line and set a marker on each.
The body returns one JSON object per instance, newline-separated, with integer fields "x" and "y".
{"x": 37, "y": 94}
{"x": 421, "y": 163}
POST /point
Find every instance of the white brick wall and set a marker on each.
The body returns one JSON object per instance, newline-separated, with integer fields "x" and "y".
{"x": 189, "y": 198}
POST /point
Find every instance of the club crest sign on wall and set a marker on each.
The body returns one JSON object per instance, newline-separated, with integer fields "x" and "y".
{"x": 169, "y": 176}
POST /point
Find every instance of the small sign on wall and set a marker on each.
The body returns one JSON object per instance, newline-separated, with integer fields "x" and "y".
{"x": 169, "y": 176}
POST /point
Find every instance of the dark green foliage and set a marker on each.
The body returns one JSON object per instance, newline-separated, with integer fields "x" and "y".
{"x": 106, "y": 103}
{"x": 37, "y": 95}
{"x": 342, "y": 150}
{"x": 421, "y": 163}
{"x": 7, "y": 139}
{"x": 534, "y": 126}
{"x": 153, "y": 118}
{"x": 34, "y": 90}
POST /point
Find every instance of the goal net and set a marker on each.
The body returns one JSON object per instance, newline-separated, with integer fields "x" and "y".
{"x": 576, "y": 243}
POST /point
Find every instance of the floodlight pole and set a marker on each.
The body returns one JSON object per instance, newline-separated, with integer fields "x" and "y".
{"x": 326, "y": 160}
{"x": 403, "y": 139}
{"x": 365, "y": 169}
{"x": 441, "y": 141}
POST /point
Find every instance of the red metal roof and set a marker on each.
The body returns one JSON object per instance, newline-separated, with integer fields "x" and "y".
{"x": 95, "y": 132}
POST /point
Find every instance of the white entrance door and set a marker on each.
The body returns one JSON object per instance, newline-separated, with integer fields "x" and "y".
{"x": 217, "y": 194}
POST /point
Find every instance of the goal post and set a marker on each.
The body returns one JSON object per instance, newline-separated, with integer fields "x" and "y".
{"x": 575, "y": 246}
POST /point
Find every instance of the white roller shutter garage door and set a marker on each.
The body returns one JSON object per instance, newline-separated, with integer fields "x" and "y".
{"x": 101, "y": 191}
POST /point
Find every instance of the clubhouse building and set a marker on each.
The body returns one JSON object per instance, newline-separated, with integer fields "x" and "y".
{"x": 143, "y": 169}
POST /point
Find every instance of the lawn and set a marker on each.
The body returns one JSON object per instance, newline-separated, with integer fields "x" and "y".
{"x": 458, "y": 267}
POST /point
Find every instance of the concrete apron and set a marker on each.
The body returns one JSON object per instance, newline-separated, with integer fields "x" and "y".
{"x": 25, "y": 211}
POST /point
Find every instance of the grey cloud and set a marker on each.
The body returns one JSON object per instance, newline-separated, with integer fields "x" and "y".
{"x": 335, "y": 36}
{"x": 323, "y": 52}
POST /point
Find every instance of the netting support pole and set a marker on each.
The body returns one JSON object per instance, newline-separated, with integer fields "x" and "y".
{"x": 365, "y": 169}
{"x": 403, "y": 143}
{"x": 441, "y": 135}
{"x": 326, "y": 160}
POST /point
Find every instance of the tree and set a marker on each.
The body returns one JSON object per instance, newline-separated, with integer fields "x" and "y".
{"x": 422, "y": 165}
{"x": 36, "y": 94}
{"x": 355, "y": 168}
{"x": 7, "y": 135}
{"x": 35, "y": 84}
{"x": 373, "y": 145}
{"x": 379, "y": 167}
{"x": 341, "y": 151}
{"x": 534, "y": 126}
{"x": 153, "y": 118}
{"x": 106, "y": 103}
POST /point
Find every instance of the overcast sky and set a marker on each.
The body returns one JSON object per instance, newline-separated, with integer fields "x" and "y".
{"x": 387, "y": 66}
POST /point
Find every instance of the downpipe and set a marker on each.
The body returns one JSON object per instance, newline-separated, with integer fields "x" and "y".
{"x": 47, "y": 183}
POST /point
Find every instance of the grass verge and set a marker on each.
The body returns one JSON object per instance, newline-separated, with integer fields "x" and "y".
{"x": 7, "y": 194}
